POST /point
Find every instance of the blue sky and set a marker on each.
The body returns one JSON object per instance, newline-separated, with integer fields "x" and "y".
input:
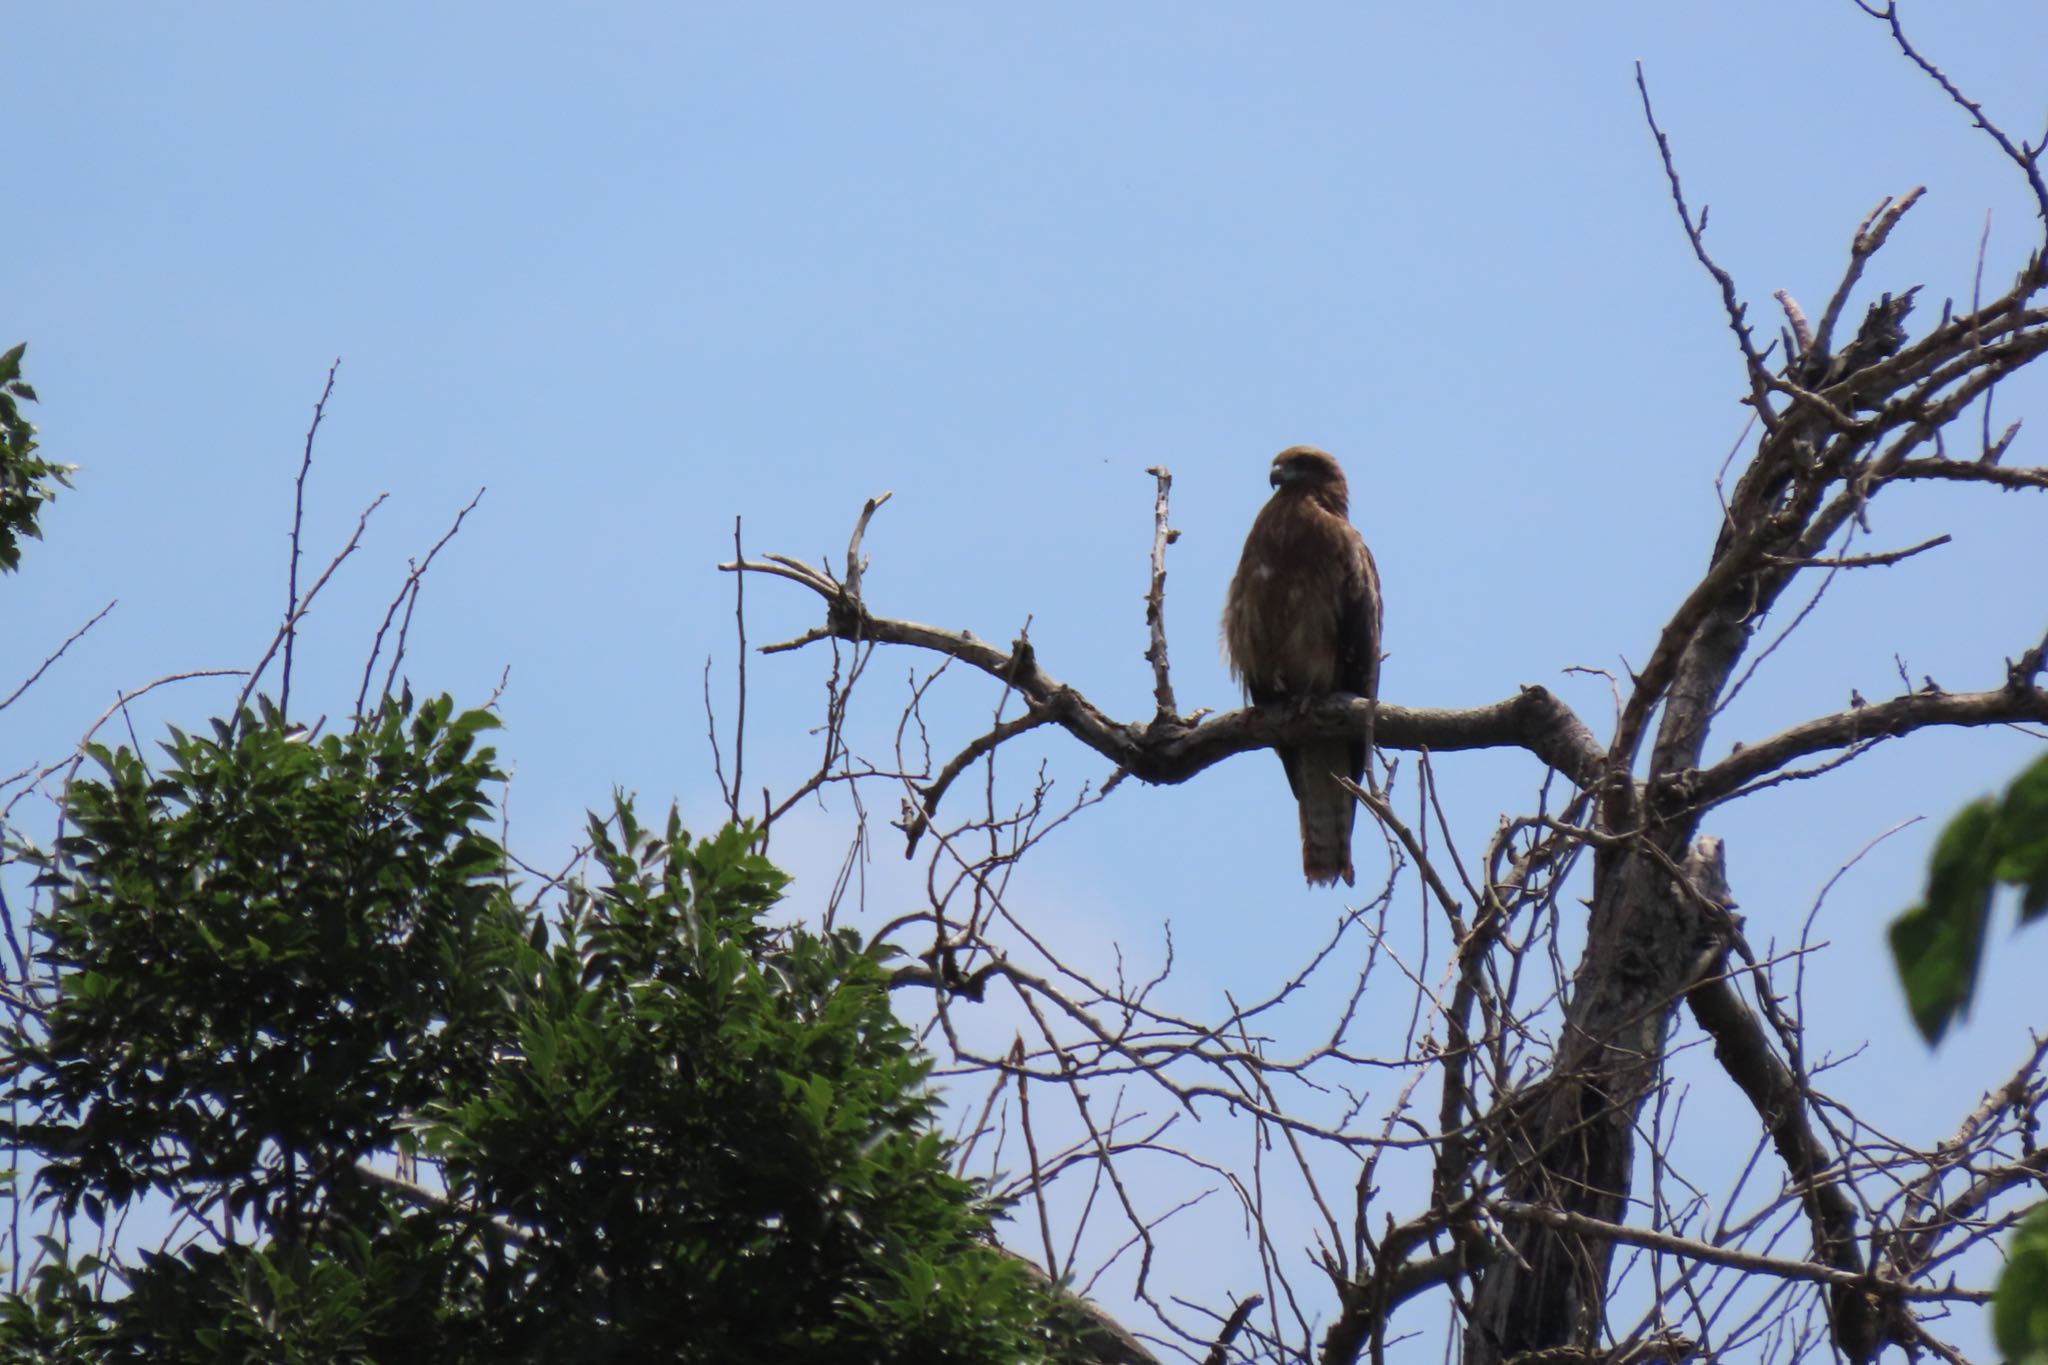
{"x": 641, "y": 269}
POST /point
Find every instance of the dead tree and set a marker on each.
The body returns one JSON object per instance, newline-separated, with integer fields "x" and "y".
{"x": 1533, "y": 1141}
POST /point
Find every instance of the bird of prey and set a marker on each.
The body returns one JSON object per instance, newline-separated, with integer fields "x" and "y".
{"x": 1302, "y": 621}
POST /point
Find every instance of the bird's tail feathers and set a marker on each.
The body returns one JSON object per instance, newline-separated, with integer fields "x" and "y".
{"x": 1327, "y": 812}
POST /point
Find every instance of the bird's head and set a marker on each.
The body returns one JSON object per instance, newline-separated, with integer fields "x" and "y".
{"x": 1311, "y": 473}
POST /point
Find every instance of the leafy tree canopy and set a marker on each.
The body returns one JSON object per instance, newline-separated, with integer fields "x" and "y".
{"x": 652, "y": 1126}
{"x": 27, "y": 481}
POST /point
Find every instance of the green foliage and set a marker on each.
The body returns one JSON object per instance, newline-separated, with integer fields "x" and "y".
{"x": 720, "y": 1136}
{"x": 27, "y": 481}
{"x": 1939, "y": 943}
{"x": 272, "y": 951}
{"x": 56, "y": 1319}
{"x": 667, "y": 1131}
{"x": 404, "y": 1292}
{"x": 2019, "y": 1315}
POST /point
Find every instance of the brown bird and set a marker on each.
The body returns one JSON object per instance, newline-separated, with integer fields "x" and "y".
{"x": 1302, "y": 621}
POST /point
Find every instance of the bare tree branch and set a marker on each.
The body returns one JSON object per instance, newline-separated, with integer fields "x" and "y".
{"x": 291, "y": 605}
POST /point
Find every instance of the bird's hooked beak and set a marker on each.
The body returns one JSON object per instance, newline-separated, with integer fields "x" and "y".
{"x": 1280, "y": 474}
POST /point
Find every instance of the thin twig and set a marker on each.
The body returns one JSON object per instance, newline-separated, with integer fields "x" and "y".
{"x": 408, "y": 591}
{"x": 739, "y": 616}
{"x": 69, "y": 641}
{"x": 1753, "y": 364}
{"x": 291, "y": 605}
{"x": 306, "y": 603}
{"x": 2029, "y": 162}
{"x": 1859, "y": 561}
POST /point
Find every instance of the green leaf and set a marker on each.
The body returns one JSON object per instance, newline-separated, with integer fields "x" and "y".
{"x": 1937, "y": 944}
{"x": 2019, "y": 1312}
{"x": 2023, "y": 821}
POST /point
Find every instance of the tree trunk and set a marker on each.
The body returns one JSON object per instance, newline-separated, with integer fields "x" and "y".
{"x": 1571, "y": 1143}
